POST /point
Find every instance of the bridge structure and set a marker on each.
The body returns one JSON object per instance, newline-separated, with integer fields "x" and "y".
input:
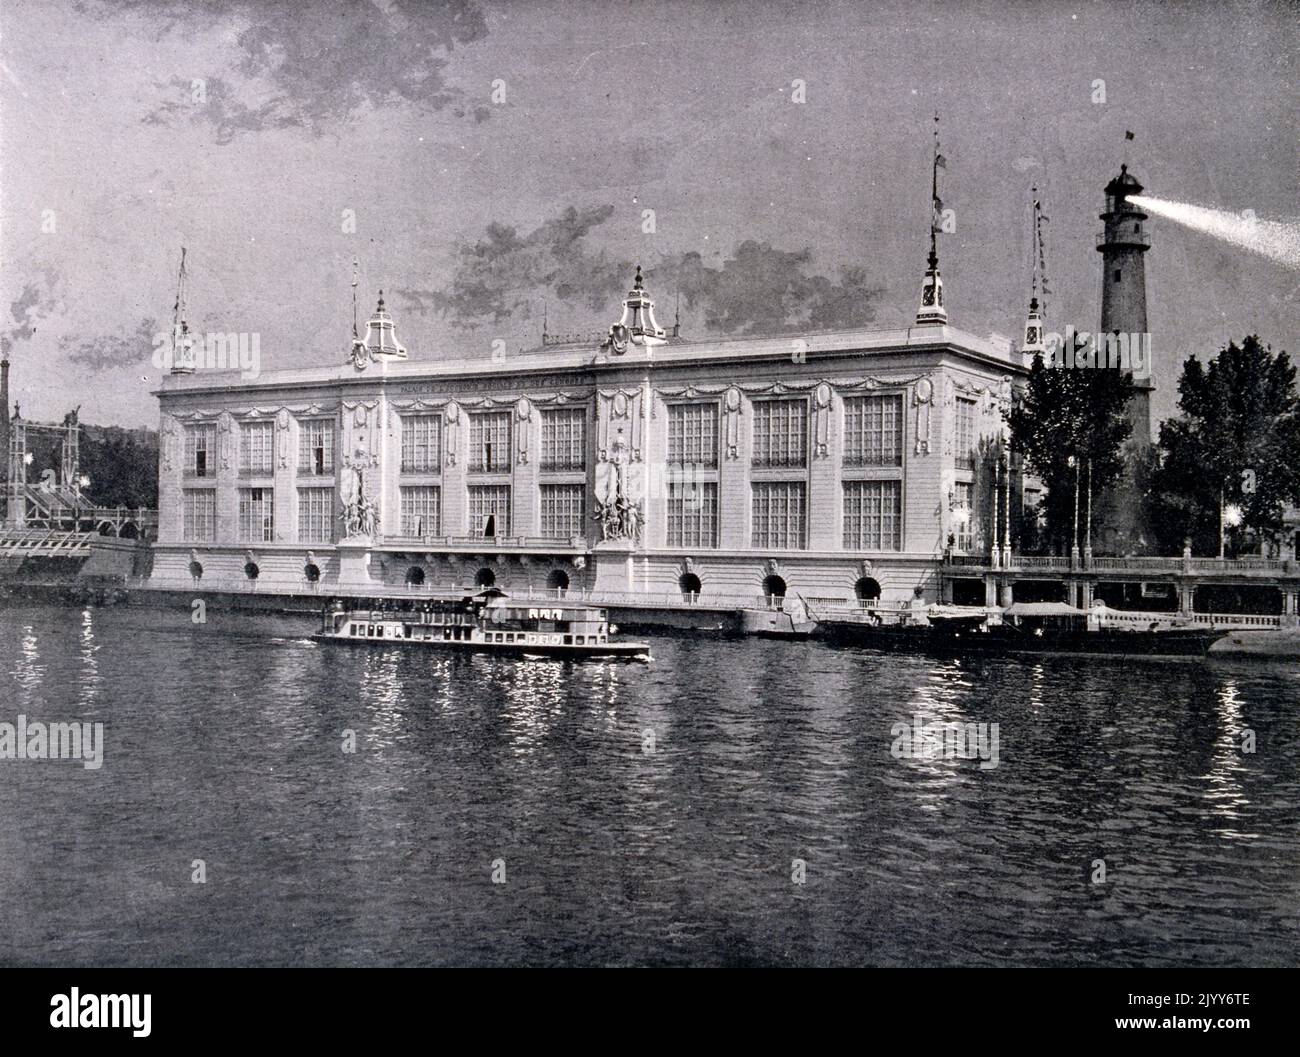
{"x": 50, "y": 517}
{"x": 1186, "y": 585}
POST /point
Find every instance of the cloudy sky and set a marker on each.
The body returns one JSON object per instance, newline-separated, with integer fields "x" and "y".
{"x": 483, "y": 158}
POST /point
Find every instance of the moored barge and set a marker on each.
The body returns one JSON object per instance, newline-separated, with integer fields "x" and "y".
{"x": 1023, "y": 628}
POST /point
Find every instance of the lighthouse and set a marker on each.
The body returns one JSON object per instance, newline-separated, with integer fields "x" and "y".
{"x": 1123, "y": 245}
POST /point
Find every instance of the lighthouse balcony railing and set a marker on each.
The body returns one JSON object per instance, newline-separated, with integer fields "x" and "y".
{"x": 1123, "y": 235}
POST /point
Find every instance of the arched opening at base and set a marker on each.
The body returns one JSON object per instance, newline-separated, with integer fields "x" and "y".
{"x": 1040, "y": 591}
{"x": 558, "y": 580}
{"x": 774, "y": 586}
{"x": 129, "y": 531}
{"x": 415, "y": 576}
{"x": 1237, "y": 598}
{"x": 867, "y": 588}
{"x": 967, "y": 592}
{"x": 689, "y": 584}
{"x": 485, "y": 578}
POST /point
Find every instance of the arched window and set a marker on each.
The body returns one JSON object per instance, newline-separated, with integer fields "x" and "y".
{"x": 485, "y": 578}
{"x": 774, "y": 587}
{"x": 196, "y": 570}
{"x": 312, "y": 572}
{"x": 252, "y": 571}
{"x": 689, "y": 584}
{"x": 415, "y": 576}
{"x": 867, "y": 588}
{"x": 558, "y": 580}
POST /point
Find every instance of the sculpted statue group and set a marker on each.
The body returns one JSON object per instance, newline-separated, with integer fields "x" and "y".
{"x": 360, "y": 518}
{"x": 619, "y": 520}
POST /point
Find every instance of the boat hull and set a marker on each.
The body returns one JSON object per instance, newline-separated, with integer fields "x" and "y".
{"x": 625, "y": 651}
{"x": 1004, "y": 639}
{"x": 1275, "y": 644}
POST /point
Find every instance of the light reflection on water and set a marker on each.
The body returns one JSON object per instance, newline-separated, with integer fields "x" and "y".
{"x": 225, "y": 741}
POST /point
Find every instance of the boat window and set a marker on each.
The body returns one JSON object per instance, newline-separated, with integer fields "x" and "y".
{"x": 568, "y": 640}
{"x": 581, "y": 640}
{"x": 406, "y": 630}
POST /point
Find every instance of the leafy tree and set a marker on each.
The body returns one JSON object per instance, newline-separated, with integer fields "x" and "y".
{"x": 1065, "y": 412}
{"x": 1236, "y": 443}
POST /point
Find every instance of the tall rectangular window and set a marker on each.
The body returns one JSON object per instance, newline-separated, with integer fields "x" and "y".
{"x": 963, "y": 515}
{"x": 563, "y": 507}
{"x": 873, "y": 431}
{"x": 964, "y": 440}
{"x": 778, "y": 515}
{"x": 421, "y": 510}
{"x": 489, "y": 442}
{"x": 693, "y": 434}
{"x": 692, "y": 514}
{"x": 421, "y": 443}
{"x": 200, "y": 450}
{"x": 256, "y": 515}
{"x": 316, "y": 447}
{"x": 255, "y": 447}
{"x": 873, "y": 515}
{"x": 200, "y": 515}
{"x": 315, "y": 515}
{"x": 780, "y": 432}
{"x": 564, "y": 438}
{"x": 489, "y": 509}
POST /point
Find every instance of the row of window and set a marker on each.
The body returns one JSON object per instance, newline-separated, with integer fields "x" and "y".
{"x": 872, "y": 514}
{"x": 256, "y": 441}
{"x": 420, "y": 512}
{"x": 873, "y": 436}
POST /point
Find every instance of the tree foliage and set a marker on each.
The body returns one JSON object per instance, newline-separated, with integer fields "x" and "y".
{"x": 1065, "y": 413}
{"x": 1235, "y": 441}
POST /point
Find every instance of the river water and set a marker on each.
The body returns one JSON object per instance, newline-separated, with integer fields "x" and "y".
{"x": 633, "y": 814}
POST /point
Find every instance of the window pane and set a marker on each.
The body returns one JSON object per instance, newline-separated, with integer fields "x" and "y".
{"x": 780, "y": 432}
{"x": 421, "y": 510}
{"x": 873, "y": 431}
{"x": 421, "y": 443}
{"x": 564, "y": 439}
{"x": 778, "y": 515}
{"x": 489, "y": 442}
{"x": 563, "y": 507}
{"x": 315, "y": 515}
{"x": 693, "y": 434}
{"x": 873, "y": 515}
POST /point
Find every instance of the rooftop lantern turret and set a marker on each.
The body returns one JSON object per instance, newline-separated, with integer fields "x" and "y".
{"x": 380, "y": 343}
{"x": 1034, "y": 343}
{"x": 932, "y": 311}
{"x": 637, "y": 326}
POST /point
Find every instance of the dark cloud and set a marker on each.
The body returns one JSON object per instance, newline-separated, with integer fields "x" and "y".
{"x": 757, "y": 289}
{"x": 497, "y": 277}
{"x": 305, "y": 66}
{"x": 118, "y": 350}
{"x": 39, "y": 298}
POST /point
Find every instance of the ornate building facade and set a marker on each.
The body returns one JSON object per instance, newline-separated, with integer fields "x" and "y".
{"x": 827, "y": 465}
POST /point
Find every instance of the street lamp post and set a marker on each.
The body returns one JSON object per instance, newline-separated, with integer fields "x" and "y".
{"x": 1074, "y": 538}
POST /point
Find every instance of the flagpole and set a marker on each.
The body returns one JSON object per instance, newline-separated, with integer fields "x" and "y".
{"x": 934, "y": 196}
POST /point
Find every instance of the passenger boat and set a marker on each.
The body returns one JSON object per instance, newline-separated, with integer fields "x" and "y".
{"x": 1023, "y": 628}
{"x": 489, "y": 622}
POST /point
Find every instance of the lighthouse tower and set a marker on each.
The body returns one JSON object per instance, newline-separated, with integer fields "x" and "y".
{"x": 1124, "y": 242}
